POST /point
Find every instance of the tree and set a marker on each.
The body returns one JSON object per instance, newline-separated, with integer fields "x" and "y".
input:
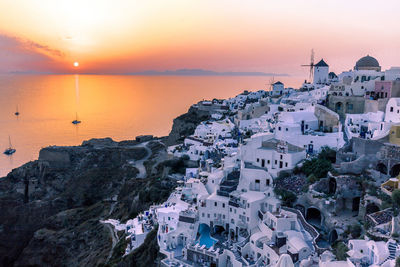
{"x": 396, "y": 200}
{"x": 396, "y": 197}
{"x": 340, "y": 251}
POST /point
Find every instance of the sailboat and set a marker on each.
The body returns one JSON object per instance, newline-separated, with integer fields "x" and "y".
{"x": 10, "y": 150}
{"x": 16, "y": 112}
{"x": 76, "y": 121}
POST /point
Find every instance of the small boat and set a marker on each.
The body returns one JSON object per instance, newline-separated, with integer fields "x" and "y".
{"x": 10, "y": 150}
{"x": 76, "y": 121}
{"x": 16, "y": 112}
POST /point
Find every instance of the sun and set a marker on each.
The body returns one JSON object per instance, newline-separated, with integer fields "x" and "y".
{"x": 76, "y": 64}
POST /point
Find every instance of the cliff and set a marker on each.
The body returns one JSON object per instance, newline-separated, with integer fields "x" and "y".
{"x": 185, "y": 124}
{"x": 51, "y": 207}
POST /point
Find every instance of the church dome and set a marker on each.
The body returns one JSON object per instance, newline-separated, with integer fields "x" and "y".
{"x": 367, "y": 63}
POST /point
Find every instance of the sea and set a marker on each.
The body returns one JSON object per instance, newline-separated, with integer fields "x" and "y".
{"x": 117, "y": 106}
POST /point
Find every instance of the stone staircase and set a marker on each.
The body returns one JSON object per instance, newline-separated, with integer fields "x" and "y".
{"x": 392, "y": 247}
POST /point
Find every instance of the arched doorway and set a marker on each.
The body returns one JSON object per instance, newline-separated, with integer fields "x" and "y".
{"x": 371, "y": 208}
{"x": 333, "y": 236}
{"x": 338, "y": 106}
{"x": 332, "y": 186}
{"x": 314, "y": 217}
{"x": 381, "y": 168}
{"x": 395, "y": 170}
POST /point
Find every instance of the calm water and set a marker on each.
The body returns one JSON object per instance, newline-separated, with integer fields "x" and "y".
{"x": 120, "y": 107}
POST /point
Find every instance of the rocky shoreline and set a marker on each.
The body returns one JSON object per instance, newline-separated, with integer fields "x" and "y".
{"x": 51, "y": 207}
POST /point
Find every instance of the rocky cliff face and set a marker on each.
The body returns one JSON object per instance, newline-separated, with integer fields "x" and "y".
{"x": 50, "y": 208}
{"x": 185, "y": 124}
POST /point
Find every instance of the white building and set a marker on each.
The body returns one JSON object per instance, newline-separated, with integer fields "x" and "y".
{"x": 369, "y": 125}
{"x": 321, "y": 72}
{"x": 273, "y": 155}
{"x": 393, "y": 110}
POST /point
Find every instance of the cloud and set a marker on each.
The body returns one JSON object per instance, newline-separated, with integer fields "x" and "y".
{"x": 18, "y": 54}
{"x": 41, "y": 48}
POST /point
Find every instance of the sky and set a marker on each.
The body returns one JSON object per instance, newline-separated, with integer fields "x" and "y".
{"x": 121, "y": 36}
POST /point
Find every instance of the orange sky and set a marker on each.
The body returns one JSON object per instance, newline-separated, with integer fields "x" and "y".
{"x": 122, "y": 36}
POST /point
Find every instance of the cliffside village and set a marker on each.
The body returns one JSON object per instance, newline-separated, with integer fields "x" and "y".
{"x": 260, "y": 195}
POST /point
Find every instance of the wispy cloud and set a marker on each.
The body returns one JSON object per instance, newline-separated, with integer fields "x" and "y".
{"x": 19, "y": 54}
{"x": 40, "y": 48}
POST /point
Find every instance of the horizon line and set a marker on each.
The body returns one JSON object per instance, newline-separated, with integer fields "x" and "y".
{"x": 178, "y": 72}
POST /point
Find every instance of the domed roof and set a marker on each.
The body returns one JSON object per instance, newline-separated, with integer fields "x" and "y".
{"x": 367, "y": 62}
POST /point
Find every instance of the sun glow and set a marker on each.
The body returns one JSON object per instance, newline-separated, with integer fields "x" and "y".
{"x": 76, "y": 64}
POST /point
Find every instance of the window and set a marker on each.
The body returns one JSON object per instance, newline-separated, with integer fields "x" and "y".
{"x": 215, "y": 204}
{"x": 263, "y": 163}
{"x": 223, "y": 216}
{"x": 269, "y": 161}
{"x": 215, "y": 215}
{"x": 281, "y": 156}
{"x": 223, "y": 205}
{"x": 202, "y": 215}
{"x": 276, "y": 162}
{"x": 306, "y": 126}
{"x": 267, "y": 182}
{"x": 285, "y": 164}
{"x": 208, "y": 215}
{"x": 279, "y": 128}
{"x": 230, "y": 209}
{"x": 287, "y": 129}
{"x": 258, "y": 160}
{"x": 391, "y": 109}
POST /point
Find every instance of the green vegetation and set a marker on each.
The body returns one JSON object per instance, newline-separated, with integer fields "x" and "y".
{"x": 396, "y": 200}
{"x": 340, "y": 251}
{"x": 287, "y": 197}
{"x": 355, "y": 230}
{"x": 318, "y": 167}
{"x": 397, "y": 262}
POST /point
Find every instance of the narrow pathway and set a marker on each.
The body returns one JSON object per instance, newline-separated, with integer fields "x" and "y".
{"x": 114, "y": 239}
{"x": 139, "y": 164}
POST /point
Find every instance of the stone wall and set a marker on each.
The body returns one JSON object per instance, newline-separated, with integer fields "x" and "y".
{"x": 375, "y": 105}
{"x": 346, "y": 104}
{"x": 326, "y": 117}
{"x": 57, "y": 159}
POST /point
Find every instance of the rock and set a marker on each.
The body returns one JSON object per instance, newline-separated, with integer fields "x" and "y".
{"x": 185, "y": 124}
{"x": 51, "y": 208}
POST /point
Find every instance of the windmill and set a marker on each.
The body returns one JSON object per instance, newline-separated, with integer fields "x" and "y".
{"x": 271, "y": 83}
{"x": 311, "y": 64}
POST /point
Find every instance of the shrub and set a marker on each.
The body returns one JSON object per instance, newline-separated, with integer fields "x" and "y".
{"x": 316, "y": 166}
{"x": 288, "y": 197}
{"x": 340, "y": 251}
{"x": 328, "y": 154}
